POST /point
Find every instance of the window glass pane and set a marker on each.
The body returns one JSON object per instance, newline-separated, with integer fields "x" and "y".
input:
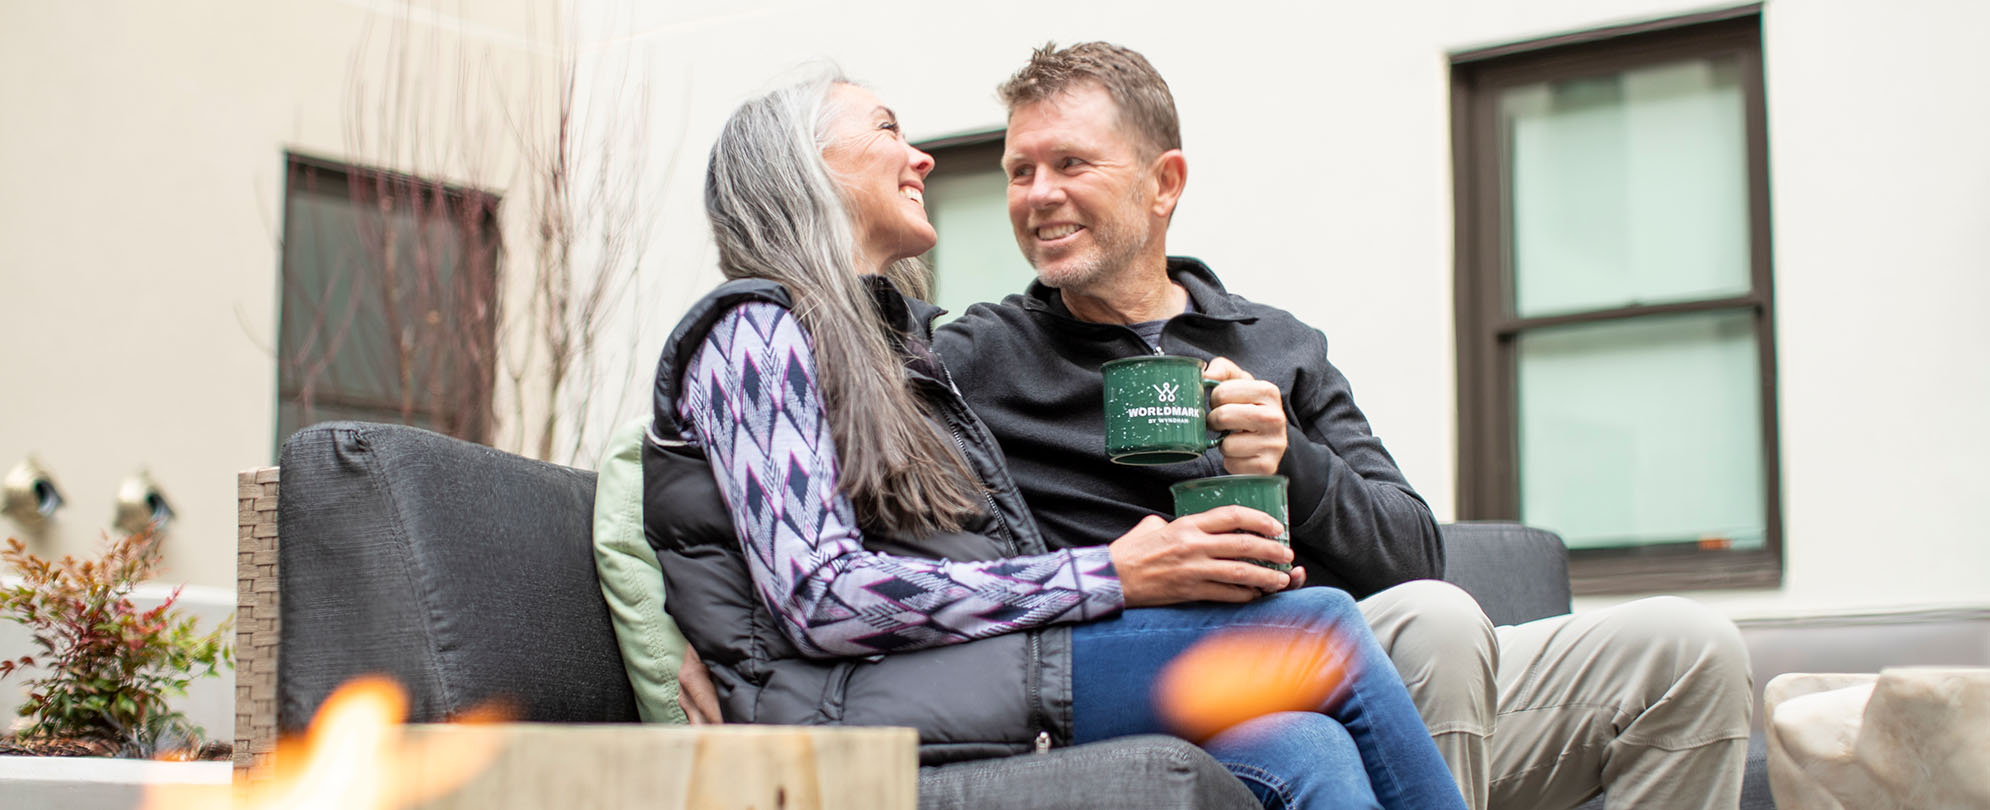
{"x": 976, "y": 259}
{"x": 335, "y": 335}
{"x": 372, "y": 264}
{"x": 1628, "y": 188}
{"x": 1643, "y": 431}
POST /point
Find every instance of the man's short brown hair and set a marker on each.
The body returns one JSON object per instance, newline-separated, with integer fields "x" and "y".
{"x": 1145, "y": 104}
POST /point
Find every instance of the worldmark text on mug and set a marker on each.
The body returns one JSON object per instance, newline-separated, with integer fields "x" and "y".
{"x": 1157, "y": 409}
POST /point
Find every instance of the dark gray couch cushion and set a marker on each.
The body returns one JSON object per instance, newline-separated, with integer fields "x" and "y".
{"x": 463, "y": 572}
{"x": 1148, "y": 772}
{"x": 1518, "y": 574}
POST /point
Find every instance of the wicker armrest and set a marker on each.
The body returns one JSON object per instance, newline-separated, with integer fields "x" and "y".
{"x": 257, "y": 625}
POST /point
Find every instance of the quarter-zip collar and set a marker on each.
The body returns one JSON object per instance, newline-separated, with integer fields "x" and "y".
{"x": 1212, "y": 301}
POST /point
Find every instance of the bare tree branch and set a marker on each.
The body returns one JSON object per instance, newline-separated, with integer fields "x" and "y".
{"x": 424, "y": 112}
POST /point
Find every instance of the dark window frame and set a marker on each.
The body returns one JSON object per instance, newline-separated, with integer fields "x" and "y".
{"x": 963, "y": 143}
{"x": 1488, "y": 404}
{"x": 468, "y": 412}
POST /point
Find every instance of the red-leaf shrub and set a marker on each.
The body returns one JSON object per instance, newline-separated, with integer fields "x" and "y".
{"x": 109, "y": 667}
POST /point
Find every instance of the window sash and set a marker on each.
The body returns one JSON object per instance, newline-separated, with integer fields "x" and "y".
{"x": 1489, "y": 328}
{"x": 1603, "y": 173}
{"x": 1629, "y": 431}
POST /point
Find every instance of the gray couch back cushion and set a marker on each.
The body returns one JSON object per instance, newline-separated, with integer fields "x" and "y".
{"x": 1517, "y": 574}
{"x": 461, "y": 571}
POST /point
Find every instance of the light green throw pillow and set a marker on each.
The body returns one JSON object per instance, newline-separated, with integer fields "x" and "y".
{"x": 631, "y": 580}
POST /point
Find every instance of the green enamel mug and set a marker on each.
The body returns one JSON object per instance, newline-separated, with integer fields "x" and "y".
{"x": 1265, "y": 493}
{"x": 1157, "y": 409}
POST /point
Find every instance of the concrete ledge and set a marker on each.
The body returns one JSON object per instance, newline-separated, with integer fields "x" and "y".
{"x": 96, "y": 783}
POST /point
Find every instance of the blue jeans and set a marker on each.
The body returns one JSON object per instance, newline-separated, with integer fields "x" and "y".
{"x": 1367, "y": 748}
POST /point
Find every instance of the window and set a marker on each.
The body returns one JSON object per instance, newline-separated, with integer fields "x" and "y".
{"x": 967, "y": 197}
{"x": 389, "y": 301}
{"x": 1615, "y": 338}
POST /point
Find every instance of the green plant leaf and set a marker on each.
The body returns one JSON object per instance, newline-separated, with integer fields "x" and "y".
{"x": 110, "y": 667}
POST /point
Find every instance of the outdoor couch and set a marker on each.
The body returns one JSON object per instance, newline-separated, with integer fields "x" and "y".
{"x": 467, "y": 574}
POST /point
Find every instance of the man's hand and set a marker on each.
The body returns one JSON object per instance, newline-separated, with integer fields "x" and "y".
{"x": 1254, "y": 412}
{"x": 1202, "y": 557}
{"x": 695, "y": 694}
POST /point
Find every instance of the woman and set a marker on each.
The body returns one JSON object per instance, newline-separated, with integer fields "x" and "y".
{"x": 842, "y": 543}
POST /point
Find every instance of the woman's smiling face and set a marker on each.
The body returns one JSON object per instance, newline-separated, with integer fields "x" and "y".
{"x": 883, "y": 178}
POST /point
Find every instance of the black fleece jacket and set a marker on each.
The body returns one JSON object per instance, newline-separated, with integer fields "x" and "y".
{"x": 1030, "y": 370}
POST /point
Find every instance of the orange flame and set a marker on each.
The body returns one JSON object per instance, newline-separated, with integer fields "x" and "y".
{"x": 353, "y": 756}
{"x": 1236, "y": 675}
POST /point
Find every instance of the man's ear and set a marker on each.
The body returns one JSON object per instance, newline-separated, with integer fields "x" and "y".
{"x": 1170, "y": 177}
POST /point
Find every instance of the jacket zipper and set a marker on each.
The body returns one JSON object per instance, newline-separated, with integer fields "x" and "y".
{"x": 994, "y": 512}
{"x": 1035, "y": 642}
{"x": 953, "y": 430}
{"x": 1036, "y": 694}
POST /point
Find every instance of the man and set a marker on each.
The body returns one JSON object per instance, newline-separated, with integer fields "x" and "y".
{"x": 1647, "y": 701}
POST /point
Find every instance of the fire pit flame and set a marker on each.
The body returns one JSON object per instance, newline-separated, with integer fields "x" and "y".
{"x": 352, "y": 758}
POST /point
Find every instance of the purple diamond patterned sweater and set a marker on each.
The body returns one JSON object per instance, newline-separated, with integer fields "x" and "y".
{"x": 749, "y": 395}
{"x": 746, "y": 602}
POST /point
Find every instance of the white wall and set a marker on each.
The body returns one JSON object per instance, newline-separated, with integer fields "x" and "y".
{"x": 1881, "y": 188}
{"x": 141, "y": 194}
{"x": 143, "y": 168}
{"x": 1318, "y": 140}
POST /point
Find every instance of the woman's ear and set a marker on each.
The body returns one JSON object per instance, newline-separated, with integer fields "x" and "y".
{"x": 1170, "y": 177}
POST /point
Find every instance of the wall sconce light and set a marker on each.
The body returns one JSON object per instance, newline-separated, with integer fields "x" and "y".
{"x": 28, "y": 494}
{"x": 140, "y": 504}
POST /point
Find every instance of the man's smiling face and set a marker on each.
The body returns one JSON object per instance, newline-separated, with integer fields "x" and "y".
{"x": 1081, "y": 191}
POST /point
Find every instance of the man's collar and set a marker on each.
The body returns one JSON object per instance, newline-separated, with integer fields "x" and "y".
{"x": 1211, "y": 299}
{"x": 1204, "y": 289}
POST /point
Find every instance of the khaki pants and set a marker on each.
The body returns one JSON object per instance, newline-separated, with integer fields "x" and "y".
{"x": 1647, "y": 701}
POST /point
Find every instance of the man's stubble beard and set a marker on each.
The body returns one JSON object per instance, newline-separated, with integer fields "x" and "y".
{"x": 1081, "y": 273}
{"x": 1116, "y": 248}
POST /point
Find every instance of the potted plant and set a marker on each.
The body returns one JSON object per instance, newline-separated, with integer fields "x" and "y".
{"x": 108, "y": 667}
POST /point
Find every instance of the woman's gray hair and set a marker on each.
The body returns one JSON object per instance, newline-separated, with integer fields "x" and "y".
{"x": 778, "y": 215}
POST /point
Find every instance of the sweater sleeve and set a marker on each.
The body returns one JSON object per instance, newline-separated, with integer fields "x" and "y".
{"x": 750, "y": 395}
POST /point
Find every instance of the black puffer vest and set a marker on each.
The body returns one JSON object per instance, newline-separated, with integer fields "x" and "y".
{"x": 984, "y": 698}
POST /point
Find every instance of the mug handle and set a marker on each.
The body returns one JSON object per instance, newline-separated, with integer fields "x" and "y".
{"x": 1209, "y": 385}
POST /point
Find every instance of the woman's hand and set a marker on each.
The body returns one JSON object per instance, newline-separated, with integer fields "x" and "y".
{"x": 695, "y": 694}
{"x": 1254, "y": 412}
{"x": 1202, "y": 557}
